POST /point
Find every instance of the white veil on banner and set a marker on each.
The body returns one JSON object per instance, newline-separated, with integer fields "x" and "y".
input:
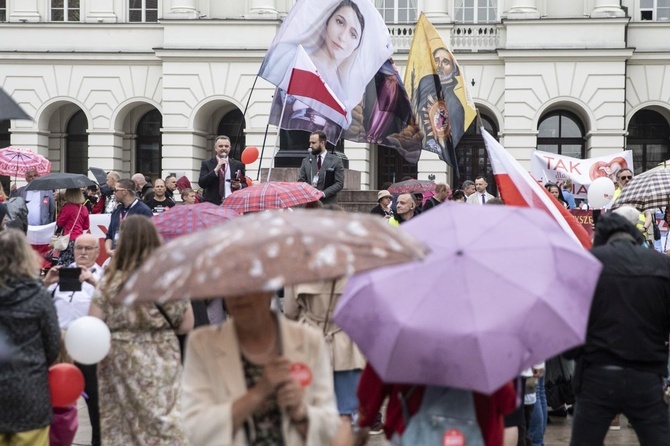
{"x": 347, "y": 40}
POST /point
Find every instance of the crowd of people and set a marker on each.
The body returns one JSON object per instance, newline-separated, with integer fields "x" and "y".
{"x": 235, "y": 380}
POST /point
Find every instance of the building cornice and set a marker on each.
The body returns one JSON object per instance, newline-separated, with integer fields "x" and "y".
{"x": 552, "y": 55}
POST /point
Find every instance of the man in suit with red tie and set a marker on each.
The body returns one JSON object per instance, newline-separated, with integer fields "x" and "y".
{"x": 321, "y": 169}
{"x": 220, "y": 176}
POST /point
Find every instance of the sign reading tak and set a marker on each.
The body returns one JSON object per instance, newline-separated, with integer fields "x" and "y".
{"x": 550, "y": 167}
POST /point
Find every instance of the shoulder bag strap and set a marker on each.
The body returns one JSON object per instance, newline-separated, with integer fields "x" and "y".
{"x": 76, "y": 218}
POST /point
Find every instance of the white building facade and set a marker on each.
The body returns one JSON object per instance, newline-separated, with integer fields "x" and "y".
{"x": 145, "y": 85}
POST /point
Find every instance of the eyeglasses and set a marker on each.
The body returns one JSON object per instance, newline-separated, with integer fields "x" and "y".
{"x": 626, "y": 177}
{"x": 85, "y": 248}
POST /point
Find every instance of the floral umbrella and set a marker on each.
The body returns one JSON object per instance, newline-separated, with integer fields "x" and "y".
{"x": 15, "y": 161}
{"x": 268, "y": 250}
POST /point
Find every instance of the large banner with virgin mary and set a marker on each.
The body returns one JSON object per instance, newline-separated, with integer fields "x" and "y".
{"x": 347, "y": 41}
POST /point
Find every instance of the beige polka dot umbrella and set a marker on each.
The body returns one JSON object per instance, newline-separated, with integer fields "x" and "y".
{"x": 268, "y": 250}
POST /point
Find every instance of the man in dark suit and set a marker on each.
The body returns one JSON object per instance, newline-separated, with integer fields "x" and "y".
{"x": 322, "y": 170}
{"x": 220, "y": 176}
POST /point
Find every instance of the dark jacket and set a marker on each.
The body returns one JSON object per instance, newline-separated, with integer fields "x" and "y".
{"x": 630, "y": 315}
{"x": 28, "y": 319}
{"x": 137, "y": 207}
{"x": 209, "y": 180}
{"x": 430, "y": 203}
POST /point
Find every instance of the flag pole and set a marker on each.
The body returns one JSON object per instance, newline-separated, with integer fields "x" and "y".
{"x": 274, "y": 152}
{"x": 260, "y": 163}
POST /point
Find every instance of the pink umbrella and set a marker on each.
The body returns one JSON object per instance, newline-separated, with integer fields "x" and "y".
{"x": 503, "y": 288}
{"x": 186, "y": 219}
{"x": 15, "y": 161}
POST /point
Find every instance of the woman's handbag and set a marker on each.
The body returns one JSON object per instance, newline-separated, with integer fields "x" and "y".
{"x": 60, "y": 242}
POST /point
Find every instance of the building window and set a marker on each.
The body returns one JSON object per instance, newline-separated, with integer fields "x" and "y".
{"x": 149, "y": 150}
{"x": 398, "y": 11}
{"x": 472, "y": 156}
{"x": 64, "y": 10}
{"x": 648, "y": 138}
{"x": 658, "y": 10}
{"x": 561, "y": 132}
{"x": 76, "y": 148}
{"x": 232, "y": 125}
{"x": 143, "y": 11}
{"x": 476, "y": 11}
{"x": 3, "y": 10}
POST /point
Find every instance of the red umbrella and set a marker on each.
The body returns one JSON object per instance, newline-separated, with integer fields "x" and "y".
{"x": 411, "y": 187}
{"x": 15, "y": 161}
{"x": 271, "y": 195}
{"x": 189, "y": 218}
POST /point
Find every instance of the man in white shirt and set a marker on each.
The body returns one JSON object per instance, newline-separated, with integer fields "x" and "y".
{"x": 71, "y": 305}
{"x": 40, "y": 203}
{"x": 480, "y": 196}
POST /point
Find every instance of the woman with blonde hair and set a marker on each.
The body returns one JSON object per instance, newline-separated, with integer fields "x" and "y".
{"x": 73, "y": 220}
{"x": 139, "y": 380}
{"x": 28, "y": 320}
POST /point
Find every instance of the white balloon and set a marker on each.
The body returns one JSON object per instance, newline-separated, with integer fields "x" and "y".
{"x": 601, "y": 192}
{"x": 88, "y": 340}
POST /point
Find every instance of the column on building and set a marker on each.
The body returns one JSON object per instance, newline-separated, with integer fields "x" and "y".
{"x": 262, "y": 9}
{"x": 183, "y": 151}
{"x": 182, "y": 9}
{"x": 607, "y": 8}
{"x": 100, "y": 11}
{"x": 105, "y": 150}
{"x": 437, "y": 11}
{"x": 25, "y": 11}
{"x": 523, "y": 9}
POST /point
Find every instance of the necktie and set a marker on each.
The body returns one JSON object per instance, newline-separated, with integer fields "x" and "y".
{"x": 222, "y": 181}
{"x": 483, "y": 198}
{"x": 318, "y": 163}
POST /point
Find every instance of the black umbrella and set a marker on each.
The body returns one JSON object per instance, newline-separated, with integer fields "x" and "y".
{"x": 60, "y": 181}
{"x": 9, "y": 109}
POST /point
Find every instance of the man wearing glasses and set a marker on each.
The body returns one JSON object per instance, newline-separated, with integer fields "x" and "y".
{"x": 71, "y": 305}
{"x": 623, "y": 177}
{"x": 124, "y": 192}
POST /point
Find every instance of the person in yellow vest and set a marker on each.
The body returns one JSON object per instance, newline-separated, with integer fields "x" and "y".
{"x": 405, "y": 209}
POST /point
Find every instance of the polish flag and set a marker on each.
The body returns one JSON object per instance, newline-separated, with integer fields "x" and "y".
{"x": 307, "y": 85}
{"x": 518, "y": 188}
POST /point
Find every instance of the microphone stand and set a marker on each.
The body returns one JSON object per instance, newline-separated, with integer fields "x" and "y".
{"x": 311, "y": 165}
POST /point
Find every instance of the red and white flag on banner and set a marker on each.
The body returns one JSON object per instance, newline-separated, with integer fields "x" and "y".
{"x": 518, "y": 188}
{"x": 307, "y": 85}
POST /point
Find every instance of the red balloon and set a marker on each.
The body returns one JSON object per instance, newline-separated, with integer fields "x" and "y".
{"x": 66, "y": 384}
{"x": 249, "y": 155}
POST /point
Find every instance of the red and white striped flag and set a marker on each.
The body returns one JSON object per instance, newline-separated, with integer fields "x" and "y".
{"x": 518, "y": 188}
{"x": 307, "y": 86}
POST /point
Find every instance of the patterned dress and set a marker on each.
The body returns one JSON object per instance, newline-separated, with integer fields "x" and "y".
{"x": 140, "y": 379}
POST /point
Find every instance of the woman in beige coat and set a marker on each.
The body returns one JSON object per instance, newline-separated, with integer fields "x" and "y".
{"x": 313, "y": 304}
{"x": 257, "y": 378}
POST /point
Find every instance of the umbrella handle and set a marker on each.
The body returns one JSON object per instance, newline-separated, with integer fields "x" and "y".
{"x": 278, "y": 313}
